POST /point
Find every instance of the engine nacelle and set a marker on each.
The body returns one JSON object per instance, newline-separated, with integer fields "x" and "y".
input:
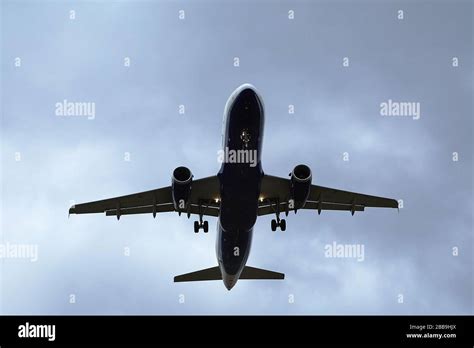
{"x": 181, "y": 187}
{"x": 300, "y": 186}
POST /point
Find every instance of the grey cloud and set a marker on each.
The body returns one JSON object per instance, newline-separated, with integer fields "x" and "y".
{"x": 291, "y": 62}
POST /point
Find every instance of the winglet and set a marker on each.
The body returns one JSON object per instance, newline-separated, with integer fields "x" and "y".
{"x": 72, "y": 210}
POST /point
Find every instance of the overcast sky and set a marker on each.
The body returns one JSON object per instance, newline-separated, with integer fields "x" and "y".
{"x": 50, "y": 160}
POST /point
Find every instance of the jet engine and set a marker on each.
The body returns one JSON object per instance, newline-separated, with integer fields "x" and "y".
{"x": 181, "y": 187}
{"x": 300, "y": 185}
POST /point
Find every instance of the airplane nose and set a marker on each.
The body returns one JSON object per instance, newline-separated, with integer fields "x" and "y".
{"x": 248, "y": 93}
{"x": 248, "y": 98}
{"x": 247, "y": 103}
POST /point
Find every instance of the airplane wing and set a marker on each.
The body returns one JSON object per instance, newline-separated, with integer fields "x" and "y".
{"x": 204, "y": 192}
{"x": 276, "y": 191}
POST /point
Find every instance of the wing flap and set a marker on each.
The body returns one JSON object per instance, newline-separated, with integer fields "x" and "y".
{"x": 160, "y": 208}
{"x": 267, "y": 209}
{"x": 210, "y": 210}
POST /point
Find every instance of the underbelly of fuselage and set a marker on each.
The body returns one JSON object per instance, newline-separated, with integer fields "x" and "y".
{"x": 240, "y": 189}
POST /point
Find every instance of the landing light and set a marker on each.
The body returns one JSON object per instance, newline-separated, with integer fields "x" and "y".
{"x": 261, "y": 199}
{"x": 216, "y": 200}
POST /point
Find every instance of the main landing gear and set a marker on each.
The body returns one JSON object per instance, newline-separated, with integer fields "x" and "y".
{"x": 281, "y": 223}
{"x": 201, "y": 224}
{"x": 278, "y": 223}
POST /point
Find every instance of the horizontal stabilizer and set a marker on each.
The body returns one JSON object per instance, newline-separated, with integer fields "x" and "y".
{"x": 214, "y": 273}
{"x": 257, "y": 273}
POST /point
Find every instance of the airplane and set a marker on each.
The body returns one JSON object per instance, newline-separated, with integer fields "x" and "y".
{"x": 239, "y": 193}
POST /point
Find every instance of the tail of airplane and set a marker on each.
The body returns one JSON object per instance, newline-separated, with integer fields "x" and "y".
{"x": 258, "y": 273}
{"x": 214, "y": 273}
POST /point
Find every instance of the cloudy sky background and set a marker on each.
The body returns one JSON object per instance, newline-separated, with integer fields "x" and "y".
{"x": 190, "y": 62}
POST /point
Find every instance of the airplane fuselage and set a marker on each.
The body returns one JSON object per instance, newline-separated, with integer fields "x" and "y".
{"x": 240, "y": 179}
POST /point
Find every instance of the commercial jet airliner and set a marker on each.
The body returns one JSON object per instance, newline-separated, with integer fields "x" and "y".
{"x": 237, "y": 195}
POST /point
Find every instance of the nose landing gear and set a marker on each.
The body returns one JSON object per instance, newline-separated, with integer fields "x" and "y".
{"x": 245, "y": 137}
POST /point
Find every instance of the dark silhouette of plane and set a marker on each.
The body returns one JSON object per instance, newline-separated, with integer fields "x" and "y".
{"x": 237, "y": 195}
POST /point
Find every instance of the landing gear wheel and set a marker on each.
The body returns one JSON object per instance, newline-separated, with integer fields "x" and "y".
{"x": 283, "y": 225}
{"x": 206, "y": 227}
{"x": 196, "y": 226}
{"x": 274, "y": 225}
